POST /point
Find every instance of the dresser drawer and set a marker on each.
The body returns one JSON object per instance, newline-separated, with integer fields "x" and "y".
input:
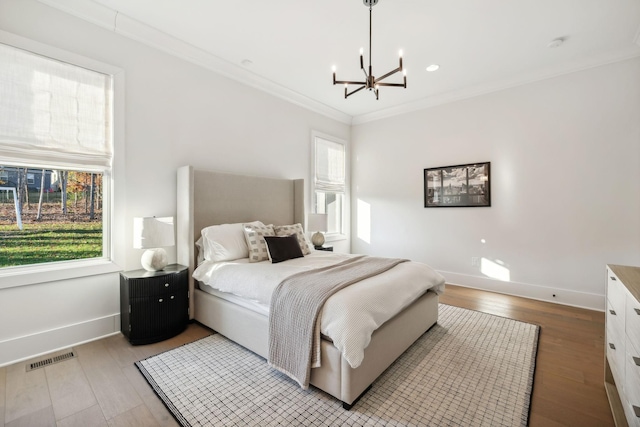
{"x": 615, "y": 320}
{"x": 632, "y": 320}
{"x": 616, "y": 356}
{"x": 616, "y": 293}
{"x": 632, "y": 385}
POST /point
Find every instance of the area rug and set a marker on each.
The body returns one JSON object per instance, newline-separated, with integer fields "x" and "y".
{"x": 470, "y": 369}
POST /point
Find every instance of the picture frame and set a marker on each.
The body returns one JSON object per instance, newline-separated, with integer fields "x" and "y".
{"x": 466, "y": 185}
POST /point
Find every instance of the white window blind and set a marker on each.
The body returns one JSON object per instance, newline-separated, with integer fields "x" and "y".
{"x": 53, "y": 113}
{"x": 330, "y": 166}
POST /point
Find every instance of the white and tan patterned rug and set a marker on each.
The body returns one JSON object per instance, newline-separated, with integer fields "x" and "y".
{"x": 470, "y": 369}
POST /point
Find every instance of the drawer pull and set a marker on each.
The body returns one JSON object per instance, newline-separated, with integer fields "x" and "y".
{"x": 613, "y": 347}
{"x": 637, "y": 311}
{"x": 636, "y": 360}
{"x": 612, "y": 312}
{"x": 636, "y": 410}
{"x": 612, "y": 278}
{"x": 166, "y": 285}
{"x": 160, "y": 300}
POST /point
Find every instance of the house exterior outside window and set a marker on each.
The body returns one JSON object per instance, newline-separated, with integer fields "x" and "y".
{"x": 56, "y": 154}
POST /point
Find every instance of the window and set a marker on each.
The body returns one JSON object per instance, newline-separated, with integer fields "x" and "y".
{"x": 329, "y": 182}
{"x": 56, "y": 144}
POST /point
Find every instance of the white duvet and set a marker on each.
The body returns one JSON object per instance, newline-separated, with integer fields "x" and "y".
{"x": 350, "y": 316}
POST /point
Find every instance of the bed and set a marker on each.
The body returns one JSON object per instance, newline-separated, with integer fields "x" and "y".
{"x": 207, "y": 198}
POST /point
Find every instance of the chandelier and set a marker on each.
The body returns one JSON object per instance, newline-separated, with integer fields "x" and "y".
{"x": 370, "y": 82}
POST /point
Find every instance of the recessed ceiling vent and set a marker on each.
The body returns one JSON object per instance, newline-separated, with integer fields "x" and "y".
{"x": 51, "y": 360}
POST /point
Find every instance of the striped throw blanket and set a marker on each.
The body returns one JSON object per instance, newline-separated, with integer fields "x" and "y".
{"x": 294, "y": 326}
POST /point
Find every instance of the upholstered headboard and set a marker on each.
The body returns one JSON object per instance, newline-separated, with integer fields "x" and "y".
{"x": 208, "y": 198}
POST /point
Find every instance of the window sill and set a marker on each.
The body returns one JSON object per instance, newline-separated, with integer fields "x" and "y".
{"x": 11, "y": 277}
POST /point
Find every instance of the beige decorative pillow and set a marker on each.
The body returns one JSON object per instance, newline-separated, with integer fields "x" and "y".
{"x": 286, "y": 230}
{"x": 254, "y": 235}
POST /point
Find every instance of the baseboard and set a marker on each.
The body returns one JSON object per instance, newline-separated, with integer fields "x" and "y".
{"x": 29, "y": 346}
{"x": 537, "y": 292}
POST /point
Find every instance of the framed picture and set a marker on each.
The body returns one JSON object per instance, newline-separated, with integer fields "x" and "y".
{"x": 458, "y": 186}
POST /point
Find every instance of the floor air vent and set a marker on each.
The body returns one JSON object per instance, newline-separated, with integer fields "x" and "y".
{"x": 51, "y": 360}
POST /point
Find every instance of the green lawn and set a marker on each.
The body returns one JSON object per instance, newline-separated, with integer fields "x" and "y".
{"x": 47, "y": 242}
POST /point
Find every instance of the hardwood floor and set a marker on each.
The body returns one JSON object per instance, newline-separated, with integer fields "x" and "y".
{"x": 102, "y": 387}
{"x": 568, "y": 388}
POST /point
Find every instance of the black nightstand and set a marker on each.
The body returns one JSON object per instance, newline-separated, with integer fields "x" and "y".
{"x": 323, "y": 248}
{"x": 154, "y": 305}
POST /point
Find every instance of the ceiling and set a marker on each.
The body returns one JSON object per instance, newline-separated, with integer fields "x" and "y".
{"x": 288, "y": 47}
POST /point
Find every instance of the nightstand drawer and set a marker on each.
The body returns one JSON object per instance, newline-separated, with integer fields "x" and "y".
{"x": 155, "y": 286}
{"x": 153, "y": 318}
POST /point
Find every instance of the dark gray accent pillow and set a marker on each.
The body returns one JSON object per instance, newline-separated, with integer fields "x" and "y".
{"x": 283, "y": 248}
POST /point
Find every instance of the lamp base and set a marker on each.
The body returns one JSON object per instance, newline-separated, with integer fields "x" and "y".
{"x": 154, "y": 259}
{"x": 317, "y": 239}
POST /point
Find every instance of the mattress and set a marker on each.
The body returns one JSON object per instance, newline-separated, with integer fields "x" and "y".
{"x": 349, "y": 317}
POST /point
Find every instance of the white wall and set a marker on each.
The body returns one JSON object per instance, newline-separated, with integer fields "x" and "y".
{"x": 565, "y": 182}
{"x": 176, "y": 113}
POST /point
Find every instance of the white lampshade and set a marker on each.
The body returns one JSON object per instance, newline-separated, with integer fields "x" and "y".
{"x": 152, "y": 233}
{"x": 317, "y": 222}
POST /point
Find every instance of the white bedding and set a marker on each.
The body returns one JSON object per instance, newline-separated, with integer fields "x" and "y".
{"x": 350, "y": 316}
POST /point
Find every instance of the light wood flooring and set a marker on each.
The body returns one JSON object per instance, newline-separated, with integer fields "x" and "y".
{"x": 102, "y": 387}
{"x": 568, "y": 387}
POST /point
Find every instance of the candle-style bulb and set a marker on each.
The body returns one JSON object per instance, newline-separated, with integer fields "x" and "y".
{"x": 361, "y": 51}
{"x": 400, "y": 53}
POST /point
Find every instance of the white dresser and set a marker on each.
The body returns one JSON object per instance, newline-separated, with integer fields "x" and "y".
{"x": 622, "y": 344}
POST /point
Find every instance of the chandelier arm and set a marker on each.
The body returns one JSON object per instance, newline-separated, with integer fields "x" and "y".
{"x": 390, "y": 73}
{"x": 349, "y": 82}
{"x": 392, "y": 84}
{"x": 348, "y": 94}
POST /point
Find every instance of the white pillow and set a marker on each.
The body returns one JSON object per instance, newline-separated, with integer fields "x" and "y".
{"x": 286, "y": 230}
{"x": 254, "y": 235}
{"x": 225, "y": 242}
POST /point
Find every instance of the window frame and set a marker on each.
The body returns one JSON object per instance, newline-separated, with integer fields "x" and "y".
{"x": 331, "y": 236}
{"x": 113, "y": 251}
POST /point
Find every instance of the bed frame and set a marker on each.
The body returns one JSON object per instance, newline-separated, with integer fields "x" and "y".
{"x": 207, "y": 198}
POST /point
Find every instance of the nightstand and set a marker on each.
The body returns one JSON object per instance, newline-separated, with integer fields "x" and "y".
{"x": 154, "y": 305}
{"x": 323, "y": 248}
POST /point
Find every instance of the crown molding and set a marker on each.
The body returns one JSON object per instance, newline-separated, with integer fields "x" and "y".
{"x": 128, "y": 27}
{"x": 496, "y": 86}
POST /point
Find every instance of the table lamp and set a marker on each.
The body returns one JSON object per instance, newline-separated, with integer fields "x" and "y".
{"x": 152, "y": 234}
{"x": 318, "y": 223}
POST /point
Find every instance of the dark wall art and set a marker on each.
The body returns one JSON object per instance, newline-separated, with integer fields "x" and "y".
{"x": 458, "y": 186}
